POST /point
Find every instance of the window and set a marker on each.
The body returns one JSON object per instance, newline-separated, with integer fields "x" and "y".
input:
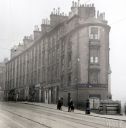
{"x": 96, "y": 59}
{"x": 69, "y": 58}
{"x": 69, "y": 45}
{"x": 62, "y": 46}
{"x": 62, "y": 62}
{"x": 91, "y": 59}
{"x": 57, "y": 71}
{"x": 62, "y": 80}
{"x": 69, "y": 79}
{"x": 94, "y": 33}
{"x": 94, "y": 77}
{"x": 94, "y": 55}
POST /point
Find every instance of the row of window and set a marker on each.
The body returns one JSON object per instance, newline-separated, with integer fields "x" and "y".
{"x": 40, "y": 53}
{"x": 94, "y": 33}
{"x": 28, "y": 63}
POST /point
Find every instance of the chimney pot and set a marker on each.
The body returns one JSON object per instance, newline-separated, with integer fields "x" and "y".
{"x": 72, "y": 3}
{"x": 36, "y": 28}
{"x": 75, "y": 4}
{"x": 58, "y": 11}
{"x": 54, "y": 11}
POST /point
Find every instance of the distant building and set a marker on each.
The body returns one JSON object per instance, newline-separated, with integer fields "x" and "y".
{"x": 69, "y": 56}
{"x": 2, "y": 78}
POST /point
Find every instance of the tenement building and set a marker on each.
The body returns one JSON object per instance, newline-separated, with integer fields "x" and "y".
{"x": 68, "y": 57}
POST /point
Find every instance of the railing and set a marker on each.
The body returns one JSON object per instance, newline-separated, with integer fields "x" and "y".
{"x": 106, "y": 121}
{"x": 115, "y": 123}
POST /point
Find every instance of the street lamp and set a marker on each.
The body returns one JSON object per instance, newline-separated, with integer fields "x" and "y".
{"x": 77, "y": 78}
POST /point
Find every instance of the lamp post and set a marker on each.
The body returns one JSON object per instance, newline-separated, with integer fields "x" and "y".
{"x": 89, "y": 65}
{"x": 77, "y": 78}
{"x": 77, "y": 64}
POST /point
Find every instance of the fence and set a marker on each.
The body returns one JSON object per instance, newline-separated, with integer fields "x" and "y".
{"x": 106, "y": 121}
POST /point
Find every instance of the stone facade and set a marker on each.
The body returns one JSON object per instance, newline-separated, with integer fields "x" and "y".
{"x": 70, "y": 55}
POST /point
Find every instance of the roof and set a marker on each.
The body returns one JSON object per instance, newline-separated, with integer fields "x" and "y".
{"x": 95, "y": 20}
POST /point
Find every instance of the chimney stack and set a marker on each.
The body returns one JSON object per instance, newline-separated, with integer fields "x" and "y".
{"x": 36, "y": 32}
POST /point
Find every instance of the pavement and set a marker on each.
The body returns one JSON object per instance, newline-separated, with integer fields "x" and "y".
{"x": 65, "y": 109}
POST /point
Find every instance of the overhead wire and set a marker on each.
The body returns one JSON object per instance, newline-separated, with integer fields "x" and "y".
{"x": 113, "y": 23}
{"x": 118, "y": 21}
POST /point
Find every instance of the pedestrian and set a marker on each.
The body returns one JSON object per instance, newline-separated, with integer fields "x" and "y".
{"x": 71, "y": 105}
{"x": 87, "y": 106}
{"x": 59, "y": 104}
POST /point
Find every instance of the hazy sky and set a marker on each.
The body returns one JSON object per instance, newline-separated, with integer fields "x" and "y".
{"x": 18, "y": 17}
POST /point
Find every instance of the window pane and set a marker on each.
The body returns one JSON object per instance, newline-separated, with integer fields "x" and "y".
{"x": 96, "y": 59}
{"x": 91, "y": 59}
{"x": 94, "y": 30}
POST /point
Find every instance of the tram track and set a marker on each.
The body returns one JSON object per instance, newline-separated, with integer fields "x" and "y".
{"x": 107, "y": 121}
{"x": 26, "y": 118}
{"x": 71, "y": 117}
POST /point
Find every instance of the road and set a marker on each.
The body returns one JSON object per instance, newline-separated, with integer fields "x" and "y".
{"x": 18, "y": 115}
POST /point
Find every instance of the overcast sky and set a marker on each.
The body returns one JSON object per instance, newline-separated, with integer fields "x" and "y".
{"x": 18, "y": 17}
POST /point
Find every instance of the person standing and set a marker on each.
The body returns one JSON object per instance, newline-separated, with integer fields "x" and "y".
{"x": 71, "y": 105}
{"x": 59, "y": 104}
{"x": 69, "y": 97}
{"x": 87, "y": 106}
